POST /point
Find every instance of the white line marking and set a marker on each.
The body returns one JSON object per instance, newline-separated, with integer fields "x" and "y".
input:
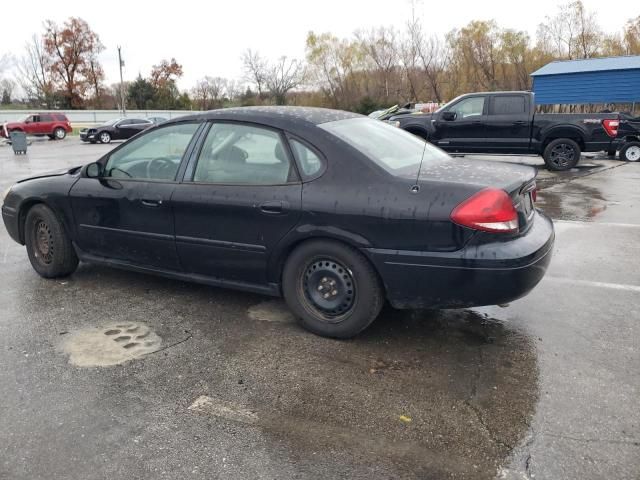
{"x": 210, "y": 406}
{"x": 602, "y": 224}
{"x": 589, "y": 283}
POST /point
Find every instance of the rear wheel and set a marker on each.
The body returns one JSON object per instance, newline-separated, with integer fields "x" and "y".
{"x": 630, "y": 152}
{"x": 332, "y": 288}
{"x": 105, "y": 137}
{"x": 59, "y": 133}
{"x": 48, "y": 246}
{"x": 561, "y": 154}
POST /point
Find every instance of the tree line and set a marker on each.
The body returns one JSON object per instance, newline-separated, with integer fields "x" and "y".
{"x": 370, "y": 69}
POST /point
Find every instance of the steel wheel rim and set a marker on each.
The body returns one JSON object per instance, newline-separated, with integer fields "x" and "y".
{"x": 59, "y": 133}
{"x": 633, "y": 153}
{"x": 562, "y": 154}
{"x": 43, "y": 241}
{"x": 329, "y": 289}
{"x": 105, "y": 137}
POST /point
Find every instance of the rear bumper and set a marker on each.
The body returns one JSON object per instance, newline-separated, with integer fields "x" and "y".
{"x": 487, "y": 274}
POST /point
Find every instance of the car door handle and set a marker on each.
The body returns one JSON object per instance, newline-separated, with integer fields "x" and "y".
{"x": 151, "y": 203}
{"x": 274, "y": 208}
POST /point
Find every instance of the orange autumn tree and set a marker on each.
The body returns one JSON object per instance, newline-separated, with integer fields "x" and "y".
{"x": 74, "y": 48}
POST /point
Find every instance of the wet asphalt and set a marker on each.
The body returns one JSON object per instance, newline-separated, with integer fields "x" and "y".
{"x": 544, "y": 388}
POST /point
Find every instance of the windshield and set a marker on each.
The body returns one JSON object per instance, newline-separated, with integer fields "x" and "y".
{"x": 395, "y": 150}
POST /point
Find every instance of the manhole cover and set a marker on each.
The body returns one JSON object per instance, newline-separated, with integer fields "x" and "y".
{"x": 110, "y": 345}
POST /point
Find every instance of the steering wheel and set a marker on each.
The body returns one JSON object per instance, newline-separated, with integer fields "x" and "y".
{"x": 163, "y": 163}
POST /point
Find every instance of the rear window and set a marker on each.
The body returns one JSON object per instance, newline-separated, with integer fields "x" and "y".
{"x": 393, "y": 149}
{"x": 508, "y": 105}
{"x": 61, "y": 118}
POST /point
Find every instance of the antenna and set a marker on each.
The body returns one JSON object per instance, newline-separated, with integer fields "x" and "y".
{"x": 416, "y": 188}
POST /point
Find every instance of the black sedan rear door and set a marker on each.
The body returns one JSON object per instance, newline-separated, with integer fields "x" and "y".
{"x": 239, "y": 197}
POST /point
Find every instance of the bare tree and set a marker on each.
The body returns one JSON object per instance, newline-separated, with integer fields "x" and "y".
{"x": 34, "y": 73}
{"x": 255, "y": 69}
{"x": 282, "y": 77}
{"x": 433, "y": 56}
{"x": 209, "y": 92}
{"x": 572, "y": 33}
{"x": 381, "y": 47}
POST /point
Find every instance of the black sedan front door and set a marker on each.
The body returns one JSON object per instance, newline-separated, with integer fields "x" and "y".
{"x": 126, "y": 214}
{"x": 239, "y": 198}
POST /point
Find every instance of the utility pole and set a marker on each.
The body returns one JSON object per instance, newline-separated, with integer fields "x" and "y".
{"x": 121, "y": 63}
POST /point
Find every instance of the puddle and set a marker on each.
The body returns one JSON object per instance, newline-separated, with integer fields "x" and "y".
{"x": 110, "y": 345}
{"x": 571, "y": 201}
{"x": 271, "y": 311}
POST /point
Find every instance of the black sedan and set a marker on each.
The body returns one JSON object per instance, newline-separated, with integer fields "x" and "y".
{"x": 117, "y": 129}
{"x": 332, "y": 210}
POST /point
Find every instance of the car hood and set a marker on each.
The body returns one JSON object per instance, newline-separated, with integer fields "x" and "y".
{"x": 481, "y": 173}
{"x": 54, "y": 173}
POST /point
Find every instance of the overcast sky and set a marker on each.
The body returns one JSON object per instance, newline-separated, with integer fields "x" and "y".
{"x": 208, "y": 37}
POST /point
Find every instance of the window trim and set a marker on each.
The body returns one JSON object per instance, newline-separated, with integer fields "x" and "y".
{"x": 323, "y": 160}
{"x": 185, "y": 156}
{"x": 190, "y": 169}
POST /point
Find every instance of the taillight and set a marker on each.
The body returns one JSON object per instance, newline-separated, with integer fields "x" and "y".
{"x": 611, "y": 127}
{"x": 534, "y": 194}
{"x": 489, "y": 210}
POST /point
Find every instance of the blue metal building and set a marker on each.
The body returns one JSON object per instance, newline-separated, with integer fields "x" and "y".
{"x": 594, "y": 80}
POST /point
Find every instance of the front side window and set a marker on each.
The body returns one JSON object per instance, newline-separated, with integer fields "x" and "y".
{"x": 154, "y": 156}
{"x": 468, "y": 107}
{"x": 397, "y": 151}
{"x": 241, "y": 154}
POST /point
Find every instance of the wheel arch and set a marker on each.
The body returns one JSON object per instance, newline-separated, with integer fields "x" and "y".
{"x": 279, "y": 257}
{"x": 569, "y": 132}
{"x": 417, "y": 130}
{"x": 23, "y": 211}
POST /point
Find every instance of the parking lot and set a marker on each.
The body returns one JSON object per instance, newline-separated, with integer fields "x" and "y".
{"x": 231, "y": 387}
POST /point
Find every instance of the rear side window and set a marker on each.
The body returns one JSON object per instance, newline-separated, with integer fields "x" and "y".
{"x": 308, "y": 160}
{"x": 60, "y": 118}
{"x": 46, "y": 118}
{"x": 242, "y": 154}
{"x": 508, "y": 105}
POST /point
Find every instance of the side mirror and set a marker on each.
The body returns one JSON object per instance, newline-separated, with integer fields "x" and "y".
{"x": 94, "y": 170}
{"x": 449, "y": 116}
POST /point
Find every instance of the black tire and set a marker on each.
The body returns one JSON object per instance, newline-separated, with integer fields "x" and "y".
{"x": 561, "y": 154}
{"x": 59, "y": 133}
{"x": 104, "y": 137}
{"x": 307, "y": 283}
{"x": 48, "y": 246}
{"x": 630, "y": 152}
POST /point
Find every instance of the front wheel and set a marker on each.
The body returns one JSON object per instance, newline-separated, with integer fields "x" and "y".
{"x": 630, "y": 152}
{"x": 332, "y": 288}
{"x": 105, "y": 137}
{"x": 561, "y": 154}
{"x": 49, "y": 248}
{"x": 59, "y": 133}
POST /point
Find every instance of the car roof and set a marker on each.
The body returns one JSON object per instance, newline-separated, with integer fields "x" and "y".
{"x": 280, "y": 116}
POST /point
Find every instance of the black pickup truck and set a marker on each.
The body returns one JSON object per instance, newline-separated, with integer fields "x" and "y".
{"x": 506, "y": 123}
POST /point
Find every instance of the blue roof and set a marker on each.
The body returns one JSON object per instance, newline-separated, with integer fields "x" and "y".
{"x": 589, "y": 65}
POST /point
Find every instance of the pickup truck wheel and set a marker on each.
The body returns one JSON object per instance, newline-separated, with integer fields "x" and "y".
{"x": 561, "y": 154}
{"x": 630, "y": 152}
{"x": 59, "y": 133}
{"x": 48, "y": 246}
{"x": 105, "y": 137}
{"x": 332, "y": 288}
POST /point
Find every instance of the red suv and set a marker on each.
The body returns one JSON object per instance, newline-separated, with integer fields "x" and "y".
{"x": 54, "y": 125}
